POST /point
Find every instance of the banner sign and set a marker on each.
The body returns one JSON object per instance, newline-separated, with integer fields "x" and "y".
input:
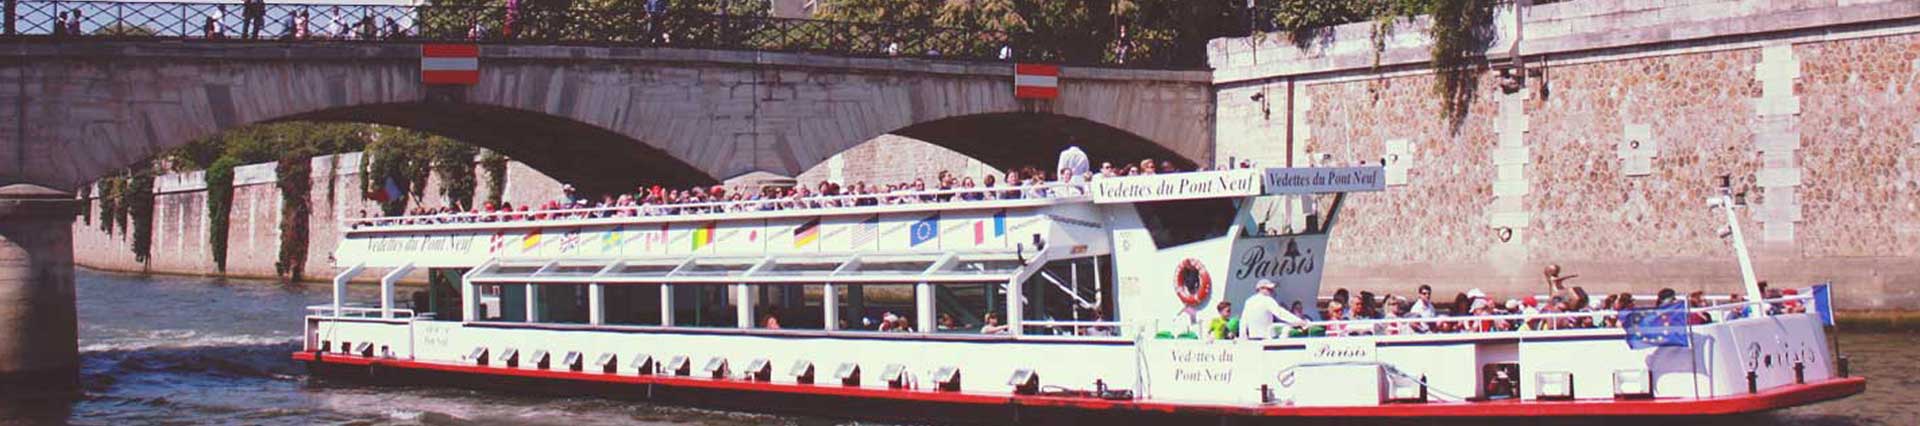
{"x": 1341, "y": 350}
{"x": 1035, "y": 81}
{"x": 455, "y": 64}
{"x": 1317, "y": 180}
{"x": 1177, "y": 186}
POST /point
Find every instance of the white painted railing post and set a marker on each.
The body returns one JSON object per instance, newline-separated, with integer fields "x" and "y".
{"x": 340, "y": 286}
{"x": 743, "y": 306}
{"x": 923, "y": 306}
{"x": 831, "y": 305}
{"x": 386, "y": 289}
{"x": 596, "y": 304}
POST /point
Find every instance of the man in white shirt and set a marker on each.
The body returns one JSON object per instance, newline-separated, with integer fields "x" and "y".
{"x": 1261, "y": 311}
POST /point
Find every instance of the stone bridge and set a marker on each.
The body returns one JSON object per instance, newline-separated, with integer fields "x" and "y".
{"x": 606, "y": 118}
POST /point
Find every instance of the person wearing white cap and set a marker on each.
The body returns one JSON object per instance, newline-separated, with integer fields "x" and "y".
{"x": 1261, "y": 311}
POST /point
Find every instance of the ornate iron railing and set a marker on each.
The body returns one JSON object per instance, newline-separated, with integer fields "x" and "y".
{"x": 288, "y": 22}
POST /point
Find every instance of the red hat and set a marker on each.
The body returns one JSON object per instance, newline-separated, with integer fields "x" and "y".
{"x": 1791, "y": 291}
{"x": 1530, "y": 301}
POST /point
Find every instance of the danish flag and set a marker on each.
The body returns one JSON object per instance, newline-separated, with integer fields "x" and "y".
{"x": 457, "y": 64}
{"x": 1035, "y": 81}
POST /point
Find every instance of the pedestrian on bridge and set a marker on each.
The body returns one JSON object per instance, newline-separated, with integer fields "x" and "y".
{"x": 253, "y": 15}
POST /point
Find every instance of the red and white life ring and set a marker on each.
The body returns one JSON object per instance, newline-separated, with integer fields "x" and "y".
{"x": 1203, "y": 283}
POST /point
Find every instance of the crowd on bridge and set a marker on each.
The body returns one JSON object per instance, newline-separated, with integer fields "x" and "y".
{"x": 946, "y": 187}
{"x": 1563, "y": 308}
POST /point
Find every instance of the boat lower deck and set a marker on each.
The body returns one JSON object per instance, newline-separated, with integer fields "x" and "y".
{"x": 921, "y": 404}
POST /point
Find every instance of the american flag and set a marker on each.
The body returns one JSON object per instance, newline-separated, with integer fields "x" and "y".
{"x": 865, "y": 231}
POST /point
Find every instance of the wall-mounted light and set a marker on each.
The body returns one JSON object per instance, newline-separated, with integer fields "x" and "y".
{"x": 643, "y": 364}
{"x": 510, "y": 357}
{"x": 478, "y": 356}
{"x": 540, "y": 360}
{"x": 608, "y": 363}
{"x": 716, "y": 368}
{"x": 1024, "y": 382}
{"x": 802, "y": 372}
{"x": 574, "y": 361}
{"x": 849, "y": 375}
{"x": 947, "y": 379}
{"x": 760, "y": 370}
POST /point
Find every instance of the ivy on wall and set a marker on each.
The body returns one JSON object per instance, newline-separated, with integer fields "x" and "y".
{"x": 86, "y": 214}
{"x": 219, "y": 179}
{"x": 495, "y": 164}
{"x": 295, "y": 180}
{"x": 453, "y": 164}
{"x": 138, "y": 199}
{"x": 1461, "y": 31}
{"x": 109, "y": 192}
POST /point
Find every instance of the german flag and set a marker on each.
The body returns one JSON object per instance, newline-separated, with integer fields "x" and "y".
{"x": 806, "y": 233}
{"x": 531, "y": 240}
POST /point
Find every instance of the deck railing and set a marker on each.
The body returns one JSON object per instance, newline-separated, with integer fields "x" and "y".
{"x": 953, "y": 198}
{"x": 537, "y": 24}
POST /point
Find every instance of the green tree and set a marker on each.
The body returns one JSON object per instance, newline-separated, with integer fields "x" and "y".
{"x": 138, "y": 199}
{"x": 219, "y": 179}
{"x": 495, "y": 164}
{"x": 453, "y": 164}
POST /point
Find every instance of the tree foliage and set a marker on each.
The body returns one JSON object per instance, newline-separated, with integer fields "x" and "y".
{"x": 219, "y": 179}
{"x": 138, "y": 199}
{"x": 495, "y": 164}
{"x": 295, "y": 180}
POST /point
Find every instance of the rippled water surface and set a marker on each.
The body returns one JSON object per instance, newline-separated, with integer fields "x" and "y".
{"x": 174, "y": 350}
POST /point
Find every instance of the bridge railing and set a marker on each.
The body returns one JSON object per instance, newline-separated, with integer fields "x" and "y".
{"x": 293, "y": 22}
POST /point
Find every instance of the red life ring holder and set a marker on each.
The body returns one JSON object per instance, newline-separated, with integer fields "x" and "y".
{"x": 1204, "y": 286}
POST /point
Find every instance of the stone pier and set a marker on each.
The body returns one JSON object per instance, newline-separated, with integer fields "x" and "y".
{"x": 39, "y": 349}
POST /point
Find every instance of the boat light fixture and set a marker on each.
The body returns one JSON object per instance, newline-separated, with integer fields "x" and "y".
{"x": 802, "y": 372}
{"x": 326, "y": 346}
{"x": 716, "y": 368}
{"x": 540, "y": 360}
{"x": 574, "y": 361}
{"x": 608, "y": 363}
{"x": 897, "y": 376}
{"x": 679, "y": 366}
{"x": 947, "y": 379}
{"x": 365, "y": 349}
{"x": 1632, "y": 384}
{"x": 849, "y": 374}
{"x": 642, "y": 364}
{"x": 510, "y": 357}
{"x": 1553, "y": 385}
{"x": 346, "y": 347}
{"x": 1025, "y": 382}
{"x": 759, "y": 370}
{"x": 478, "y": 356}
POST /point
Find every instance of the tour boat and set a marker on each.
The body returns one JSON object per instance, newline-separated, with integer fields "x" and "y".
{"x": 854, "y": 306}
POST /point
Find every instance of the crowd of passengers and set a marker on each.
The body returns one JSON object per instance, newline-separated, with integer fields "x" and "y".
{"x": 1020, "y": 183}
{"x": 1427, "y": 315}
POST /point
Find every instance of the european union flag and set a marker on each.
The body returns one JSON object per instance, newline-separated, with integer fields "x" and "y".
{"x": 1662, "y": 326}
{"x": 925, "y": 229}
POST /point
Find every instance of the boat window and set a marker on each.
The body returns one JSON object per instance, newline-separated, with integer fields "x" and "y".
{"x": 560, "y": 303}
{"x": 632, "y": 304}
{"x": 442, "y": 296}
{"x": 962, "y": 308}
{"x": 718, "y": 268}
{"x": 1072, "y": 290}
{"x": 502, "y": 302}
{"x": 696, "y": 305}
{"x": 868, "y": 307}
{"x": 1173, "y": 223}
{"x": 790, "y": 306}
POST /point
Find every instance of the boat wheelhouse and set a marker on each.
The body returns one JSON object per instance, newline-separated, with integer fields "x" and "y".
{"x": 986, "y": 304}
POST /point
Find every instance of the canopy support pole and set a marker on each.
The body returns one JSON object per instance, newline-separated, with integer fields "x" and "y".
{"x": 386, "y": 288}
{"x": 340, "y": 286}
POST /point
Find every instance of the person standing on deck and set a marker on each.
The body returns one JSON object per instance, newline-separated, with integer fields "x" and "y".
{"x": 1261, "y": 311}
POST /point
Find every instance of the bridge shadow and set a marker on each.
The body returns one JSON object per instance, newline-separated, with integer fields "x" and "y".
{"x": 1017, "y": 139}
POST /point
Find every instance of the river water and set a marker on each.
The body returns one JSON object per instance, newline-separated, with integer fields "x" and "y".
{"x": 181, "y": 350}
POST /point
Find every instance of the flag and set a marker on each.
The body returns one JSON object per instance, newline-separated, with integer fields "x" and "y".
{"x": 531, "y": 241}
{"x": 1662, "y": 326}
{"x": 1035, "y": 81}
{"x": 703, "y": 236}
{"x": 389, "y": 191}
{"x": 979, "y": 232}
{"x": 1000, "y": 223}
{"x": 1823, "y": 301}
{"x": 455, "y": 64}
{"x": 498, "y": 242}
{"x": 611, "y": 241}
{"x": 865, "y": 231}
{"x": 570, "y": 240}
{"x": 925, "y": 230}
{"x": 806, "y": 233}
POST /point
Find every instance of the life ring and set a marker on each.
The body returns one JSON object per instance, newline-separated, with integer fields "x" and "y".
{"x": 1192, "y": 283}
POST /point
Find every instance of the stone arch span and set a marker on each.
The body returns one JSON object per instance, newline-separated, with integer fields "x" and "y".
{"x": 1007, "y": 140}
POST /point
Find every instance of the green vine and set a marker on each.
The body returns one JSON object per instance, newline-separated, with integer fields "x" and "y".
{"x": 295, "y": 180}
{"x": 139, "y": 205}
{"x": 109, "y": 212}
{"x": 453, "y": 163}
{"x": 1461, "y": 31}
{"x": 495, "y": 165}
{"x": 219, "y": 180}
{"x": 86, "y": 214}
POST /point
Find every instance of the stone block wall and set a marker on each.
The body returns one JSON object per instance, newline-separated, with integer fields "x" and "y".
{"x": 1605, "y": 157}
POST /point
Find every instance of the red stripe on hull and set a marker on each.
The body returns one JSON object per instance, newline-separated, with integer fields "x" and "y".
{"x": 1778, "y": 398}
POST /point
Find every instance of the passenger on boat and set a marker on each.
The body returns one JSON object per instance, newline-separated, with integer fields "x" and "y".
{"x": 1792, "y": 306}
{"x": 1556, "y": 283}
{"x": 992, "y": 324}
{"x": 1262, "y": 311}
{"x": 1393, "y": 312}
{"x": 891, "y": 322}
{"x": 1697, "y": 299}
{"x": 771, "y": 319}
{"x": 1221, "y": 326}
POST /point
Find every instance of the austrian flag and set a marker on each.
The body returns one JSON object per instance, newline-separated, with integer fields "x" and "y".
{"x": 456, "y": 64}
{"x": 1035, "y": 81}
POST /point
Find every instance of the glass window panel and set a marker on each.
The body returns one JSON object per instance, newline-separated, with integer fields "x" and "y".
{"x": 963, "y": 308}
{"x": 902, "y": 265}
{"x": 575, "y": 270}
{"x": 868, "y": 307}
{"x": 632, "y": 304}
{"x": 801, "y": 267}
{"x": 718, "y": 268}
{"x": 502, "y": 302}
{"x": 984, "y": 265}
{"x": 788, "y": 306}
{"x": 646, "y": 269}
{"x": 560, "y": 303}
{"x": 696, "y": 305}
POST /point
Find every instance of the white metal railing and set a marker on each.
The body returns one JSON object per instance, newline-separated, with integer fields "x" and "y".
{"x": 1414, "y": 326}
{"x": 1046, "y": 191}
{"x": 328, "y": 311}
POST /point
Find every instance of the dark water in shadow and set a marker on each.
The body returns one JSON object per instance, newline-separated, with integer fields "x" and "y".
{"x": 178, "y": 350}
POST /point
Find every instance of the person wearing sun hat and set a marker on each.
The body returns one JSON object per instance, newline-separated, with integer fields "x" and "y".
{"x": 1262, "y": 310}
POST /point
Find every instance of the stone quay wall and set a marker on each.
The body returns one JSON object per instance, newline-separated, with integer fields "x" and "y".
{"x": 253, "y": 238}
{"x": 1604, "y": 158}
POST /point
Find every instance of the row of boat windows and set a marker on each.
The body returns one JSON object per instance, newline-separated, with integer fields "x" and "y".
{"x": 957, "y": 308}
